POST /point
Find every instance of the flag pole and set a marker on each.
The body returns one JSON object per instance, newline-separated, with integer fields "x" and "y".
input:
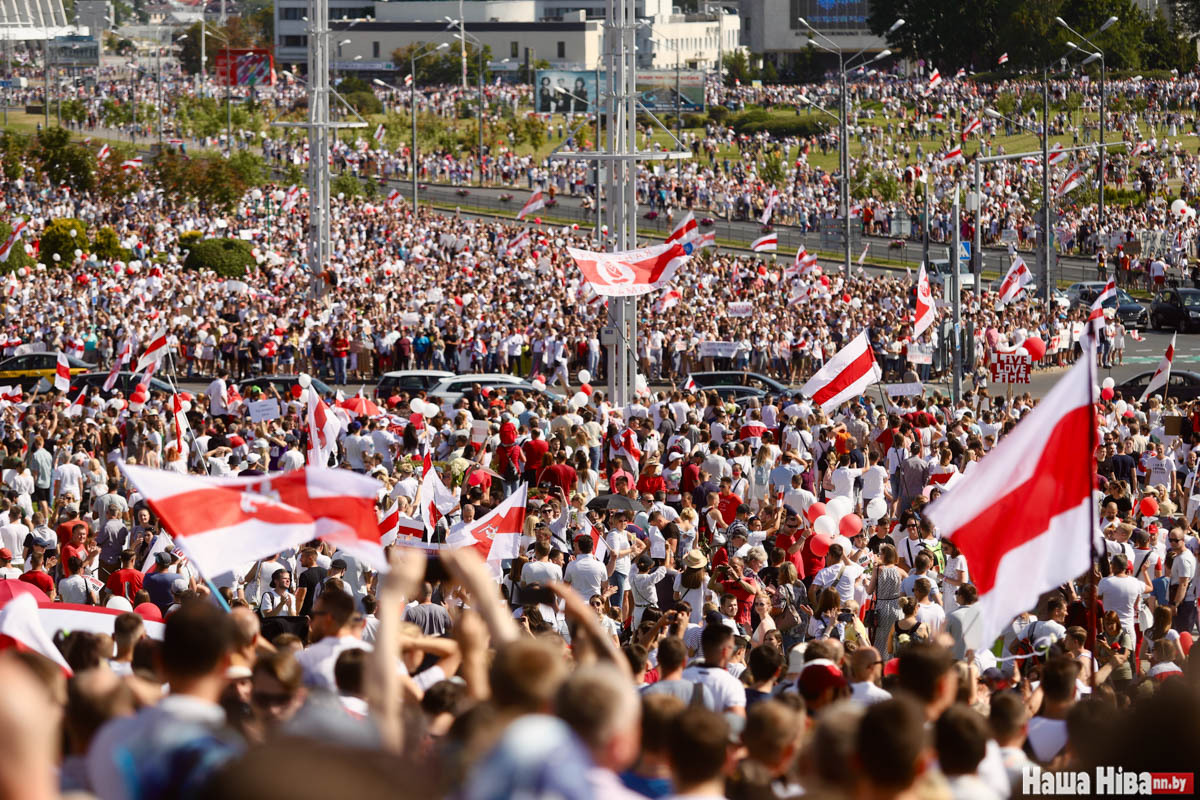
{"x": 170, "y": 376}
{"x": 1093, "y": 515}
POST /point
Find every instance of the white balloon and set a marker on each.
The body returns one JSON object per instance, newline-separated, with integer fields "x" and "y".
{"x": 1121, "y": 407}
{"x": 517, "y": 408}
{"x": 826, "y": 524}
{"x": 1021, "y": 351}
{"x": 78, "y": 252}
{"x": 1178, "y": 206}
{"x": 579, "y": 400}
{"x": 585, "y": 376}
{"x": 876, "y": 509}
{"x": 837, "y": 508}
{"x": 57, "y": 257}
{"x": 1108, "y": 383}
{"x": 185, "y": 406}
{"x": 539, "y": 385}
{"x": 305, "y": 380}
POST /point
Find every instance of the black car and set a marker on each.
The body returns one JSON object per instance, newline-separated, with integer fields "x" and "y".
{"x": 1131, "y": 313}
{"x": 1181, "y": 385}
{"x": 736, "y": 394}
{"x": 1176, "y": 308}
{"x": 126, "y": 381}
{"x": 754, "y": 380}
{"x": 283, "y": 385}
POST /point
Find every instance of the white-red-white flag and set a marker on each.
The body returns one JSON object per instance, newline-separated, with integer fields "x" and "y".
{"x": 1015, "y": 280}
{"x": 536, "y": 200}
{"x": 21, "y": 629}
{"x": 180, "y": 420}
{"x": 1141, "y": 147}
{"x": 379, "y": 133}
{"x": 767, "y": 243}
{"x": 1074, "y": 178}
{"x": 7, "y": 247}
{"x": 667, "y": 300}
{"x": 518, "y": 243}
{"x": 972, "y": 126}
{"x": 925, "y": 314}
{"x": 849, "y": 373}
{"x": 131, "y": 164}
{"x": 396, "y": 528}
{"x": 630, "y": 272}
{"x": 770, "y": 207}
{"x": 1023, "y": 516}
{"x": 1003, "y": 59}
{"x": 323, "y": 429}
{"x": 1057, "y": 155}
{"x": 62, "y": 373}
{"x": 684, "y": 230}
{"x": 222, "y": 523}
{"x": 154, "y": 352}
{"x": 935, "y": 80}
{"x": 953, "y": 157}
{"x": 433, "y": 498}
{"x": 104, "y": 151}
{"x": 1163, "y": 373}
{"x": 393, "y": 198}
{"x": 496, "y": 536}
{"x": 408, "y": 79}
{"x": 1095, "y": 319}
{"x": 700, "y": 241}
{"x": 76, "y": 407}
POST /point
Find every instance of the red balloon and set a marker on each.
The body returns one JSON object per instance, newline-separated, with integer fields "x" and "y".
{"x": 297, "y": 390}
{"x": 1106, "y": 393}
{"x": 846, "y": 297}
{"x": 586, "y": 389}
{"x": 1036, "y": 348}
{"x": 850, "y": 525}
{"x": 815, "y": 512}
{"x": 1149, "y": 507}
{"x": 825, "y": 281}
{"x": 820, "y": 543}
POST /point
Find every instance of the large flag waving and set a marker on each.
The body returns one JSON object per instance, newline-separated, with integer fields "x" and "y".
{"x": 7, "y": 247}
{"x": 766, "y": 243}
{"x": 851, "y": 370}
{"x": 223, "y": 523}
{"x": 925, "y": 313}
{"x": 62, "y": 373}
{"x": 1016, "y": 279}
{"x": 496, "y": 536}
{"x": 685, "y": 230}
{"x": 1095, "y": 318}
{"x": 22, "y": 629}
{"x": 153, "y": 353}
{"x": 536, "y": 200}
{"x": 1163, "y": 373}
{"x": 630, "y": 272}
{"x": 323, "y": 429}
{"x": 1023, "y": 516}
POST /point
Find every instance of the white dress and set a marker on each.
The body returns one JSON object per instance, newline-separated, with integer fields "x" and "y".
{"x": 956, "y": 568}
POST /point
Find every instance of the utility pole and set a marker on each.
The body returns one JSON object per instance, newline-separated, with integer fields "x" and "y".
{"x": 1048, "y": 290}
{"x": 203, "y": 54}
{"x": 956, "y": 297}
{"x": 678, "y": 104}
{"x": 46, "y": 78}
{"x": 845, "y": 147}
{"x": 977, "y": 246}
{"x": 462, "y": 45}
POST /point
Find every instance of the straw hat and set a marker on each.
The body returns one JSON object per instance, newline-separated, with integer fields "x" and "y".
{"x": 695, "y": 560}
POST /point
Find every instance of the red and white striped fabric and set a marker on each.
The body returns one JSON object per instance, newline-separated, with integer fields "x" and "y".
{"x": 223, "y": 523}
{"x": 396, "y": 528}
{"x": 62, "y": 373}
{"x": 1137, "y": 337}
{"x": 496, "y": 536}
{"x": 767, "y": 243}
{"x": 408, "y": 79}
{"x": 630, "y": 272}
{"x": 21, "y": 628}
{"x": 690, "y": 385}
{"x": 91, "y": 619}
{"x": 379, "y": 133}
{"x": 972, "y": 126}
{"x": 7, "y": 247}
{"x": 925, "y": 313}
{"x": 103, "y": 153}
{"x": 518, "y": 243}
{"x": 153, "y": 353}
{"x": 323, "y": 429}
{"x": 935, "y": 80}
{"x": 293, "y": 196}
{"x": 1056, "y": 155}
{"x": 667, "y": 300}
{"x": 393, "y": 198}
{"x": 684, "y": 230}
{"x": 131, "y": 164}
{"x": 626, "y": 447}
{"x": 954, "y": 156}
{"x": 1023, "y": 516}
{"x": 434, "y": 499}
{"x": 1141, "y": 147}
{"x": 1095, "y": 318}
{"x": 703, "y": 240}
{"x": 76, "y": 407}
{"x": 772, "y": 200}
{"x": 1015, "y": 280}
{"x": 536, "y": 201}
{"x": 179, "y": 418}
{"x": 753, "y": 429}
{"x": 851, "y": 370}
{"x": 1073, "y": 179}
{"x": 1003, "y": 59}
{"x": 1163, "y": 373}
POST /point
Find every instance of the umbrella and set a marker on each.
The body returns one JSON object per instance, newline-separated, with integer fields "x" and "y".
{"x": 11, "y": 589}
{"x": 615, "y": 502}
{"x": 361, "y": 407}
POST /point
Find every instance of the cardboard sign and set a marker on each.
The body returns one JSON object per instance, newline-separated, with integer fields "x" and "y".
{"x": 479, "y": 431}
{"x": 920, "y": 353}
{"x": 718, "y": 349}
{"x": 263, "y": 410}
{"x": 1010, "y": 368}
{"x": 905, "y": 389}
{"x": 740, "y": 309}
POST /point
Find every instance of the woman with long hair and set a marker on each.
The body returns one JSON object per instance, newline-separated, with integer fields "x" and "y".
{"x": 1112, "y": 639}
{"x": 824, "y": 621}
{"x": 691, "y": 584}
{"x": 884, "y": 588}
{"x": 907, "y": 629}
{"x": 1160, "y": 630}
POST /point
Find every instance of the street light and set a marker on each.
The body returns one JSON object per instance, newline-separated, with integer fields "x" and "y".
{"x": 1098, "y": 55}
{"x": 843, "y": 135}
{"x": 228, "y": 90}
{"x": 462, "y": 37}
{"x": 416, "y": 56}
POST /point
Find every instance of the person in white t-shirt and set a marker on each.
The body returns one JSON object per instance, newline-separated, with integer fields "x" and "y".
{"x": 928, "y": 612}
{"x": 1121, "y": 592}
{"x": 716, "y": 643}
{"x": 840, "y": 574}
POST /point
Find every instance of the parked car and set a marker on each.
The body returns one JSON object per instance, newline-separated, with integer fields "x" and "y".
{"x": 938, "y": 271}
{"x": 1131, "y": 313}
{"x": 1175, "y": 308}
{"x": 282, "y": 383}
{"x": 1182, "y": 385}
{"x": 126, "y": 381}
{"x": 26, "y": 370}
{"x": 450, "y": 390}
{"x": 755, "y": 380}
{"x": 409, "y": 380}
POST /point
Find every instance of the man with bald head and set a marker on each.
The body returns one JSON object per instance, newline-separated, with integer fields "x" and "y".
{"x": 866, "y": 668}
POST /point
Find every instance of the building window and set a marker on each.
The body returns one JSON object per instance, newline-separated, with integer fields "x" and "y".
{"x": 514, "y": 49}
{"x": 291, "y": 13}
{"x": 796, "y": 10}
{"x": 374, "y": 49}
{"x": 294, "y": 41}
{"x": 562, "y": 49}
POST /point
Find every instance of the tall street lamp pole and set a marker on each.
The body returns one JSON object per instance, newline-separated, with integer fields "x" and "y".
{"x": 462, "y": 36}
{"x": 416, "y": 56}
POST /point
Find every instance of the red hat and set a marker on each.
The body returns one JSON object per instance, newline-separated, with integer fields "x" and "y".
{"x": 5, "y": 553}
{"x": 236, "y": 441}
{"x": 818, "y": 676}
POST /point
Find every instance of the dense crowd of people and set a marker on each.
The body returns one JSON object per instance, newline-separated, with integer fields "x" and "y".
{"x": 707, "y": 598}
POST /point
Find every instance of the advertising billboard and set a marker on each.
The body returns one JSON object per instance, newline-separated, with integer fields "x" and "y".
{"x": 74, "y": 51}
{"x": 244, "y": 66}
{"x": 575, "y": 91}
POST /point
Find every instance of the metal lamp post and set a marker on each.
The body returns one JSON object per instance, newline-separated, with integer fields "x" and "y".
{"x": 416, "y": 56}
{"x": 462, "y": 36}
{"x": 843, "y": 136}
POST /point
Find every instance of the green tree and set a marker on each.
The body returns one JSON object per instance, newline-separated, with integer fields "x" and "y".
{"x": 737, "y": 68}
{"x": 229, "y": 258}
{"x": 61, "y": 238}
{"x": 250, "y": 168}
{"x": 1164, "y": 49}
{"x": 64, "y": 161}
{"x": 106, "y": 246}
{"x": 14, "y": 149}
{"x": 772, "y": 171}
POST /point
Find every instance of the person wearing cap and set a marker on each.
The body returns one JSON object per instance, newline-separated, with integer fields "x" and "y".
{"x": 160, "y": 583}
{"x": 821, "y": 684}
{"x": 7, "y": 571}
